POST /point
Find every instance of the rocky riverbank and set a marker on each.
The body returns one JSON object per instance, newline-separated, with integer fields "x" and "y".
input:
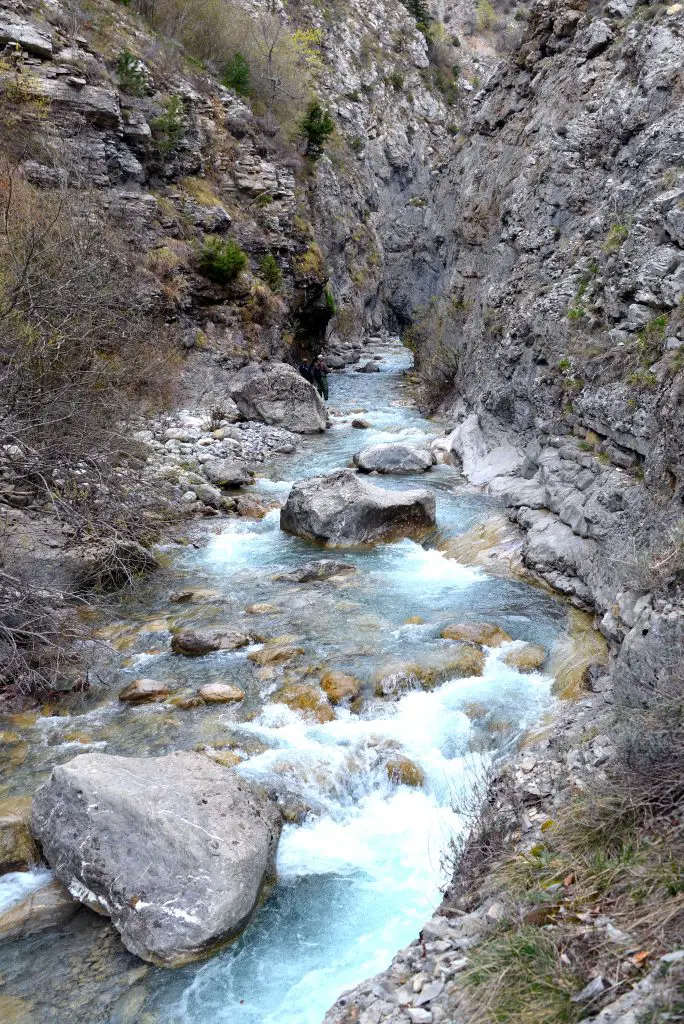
{"x": 564, "y": 494}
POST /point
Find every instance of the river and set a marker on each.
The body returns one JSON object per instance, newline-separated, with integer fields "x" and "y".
{"x": 361, "y": 861}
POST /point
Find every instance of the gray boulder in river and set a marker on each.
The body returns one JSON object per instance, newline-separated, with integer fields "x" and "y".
{"x": 278, "y": 394}
{"x": 175, "y": 849}
{"x": 342, "y": 508}
{"x": 395, "y": 457}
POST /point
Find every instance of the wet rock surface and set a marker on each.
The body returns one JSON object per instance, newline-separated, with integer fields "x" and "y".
{"x": 394, "y": 458}
{"x": 341, "y": 509}
{"x": 209, "y": 841}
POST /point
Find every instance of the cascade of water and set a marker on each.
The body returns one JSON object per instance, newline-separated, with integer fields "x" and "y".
{"x": 370, "y": 793}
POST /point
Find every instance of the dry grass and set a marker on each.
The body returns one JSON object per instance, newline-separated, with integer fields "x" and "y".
{"x": 518, "y": 977}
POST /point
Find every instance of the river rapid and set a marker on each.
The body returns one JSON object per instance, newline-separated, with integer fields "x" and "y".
{"x": 361, "y": 859}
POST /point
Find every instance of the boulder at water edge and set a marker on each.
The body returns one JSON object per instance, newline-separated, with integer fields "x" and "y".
{"x": 278, "y": 394}
{"x": 344, "y": 509}
{"x": 175, "y": 849}
{"x": 396, "y": 457}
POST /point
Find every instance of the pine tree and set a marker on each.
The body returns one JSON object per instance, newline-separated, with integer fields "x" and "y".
{"x": 420, "y": 11}
{"x": 316, "y": 126}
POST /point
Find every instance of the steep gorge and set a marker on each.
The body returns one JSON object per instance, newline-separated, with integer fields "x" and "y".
{"x": 527, "y": 238}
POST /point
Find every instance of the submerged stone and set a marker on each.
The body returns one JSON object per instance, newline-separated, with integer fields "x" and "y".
{"x": 528, "y": 658}
{"x": 485, "y": 633}
{"x": 317, "y": 570}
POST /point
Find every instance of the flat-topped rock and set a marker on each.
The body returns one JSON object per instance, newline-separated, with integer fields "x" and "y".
{"x": 227, "y": 472}
{"x": 175, "y": 849}
{"x": 396, "y": 457}
{"x": 316, "y": 570}
{"x": 278, "y": 394}
{"x": 27, "y": 34}
{"x": 195, "y": 642}
{"x": 485, "y": 633}
{"x": 144, "y": 691}
{"x": 343, "y": 509}
{"x": 220, "y": 693}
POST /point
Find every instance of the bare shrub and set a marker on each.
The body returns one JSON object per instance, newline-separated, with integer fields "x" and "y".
{"x": 432, "y": 337}
{"x": 79, "y": 352}
{"x": 488, "y": 807}
{"x": 657, "y": 564}
{"x": 39, "y": 640}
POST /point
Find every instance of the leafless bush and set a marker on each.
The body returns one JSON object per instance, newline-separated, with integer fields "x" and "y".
{"x": 651, "y": 743}
{"x": 432, "y": 338}
{"x": 657, "y": 564}
{"x": 78, "y": 353}
{"x": 39, "y": 640}
{"x": 215, "y": 416}
{"x": 488, "y": 807}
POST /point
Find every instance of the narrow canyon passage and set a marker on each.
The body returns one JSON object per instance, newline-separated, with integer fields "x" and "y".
{"x": 368, "y": 791}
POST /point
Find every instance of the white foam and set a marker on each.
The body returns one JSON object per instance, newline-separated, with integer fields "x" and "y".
{"x": 17, "y": 885}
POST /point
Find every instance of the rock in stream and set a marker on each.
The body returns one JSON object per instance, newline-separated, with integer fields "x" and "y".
{"x": 175, "y": 849}
{"x": 342, "y": 508}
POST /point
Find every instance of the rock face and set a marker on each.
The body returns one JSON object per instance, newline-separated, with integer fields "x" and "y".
{"x": 279, "y": 395}
{"x": 394, "y": 458}
{"x": 342, "y": 509}
{"x": 176, "y": 849}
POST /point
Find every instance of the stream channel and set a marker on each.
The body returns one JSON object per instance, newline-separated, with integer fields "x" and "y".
{"x": 361, "y": 862}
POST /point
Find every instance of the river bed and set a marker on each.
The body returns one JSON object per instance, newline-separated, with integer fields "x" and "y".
{"x": 361, "y": 860}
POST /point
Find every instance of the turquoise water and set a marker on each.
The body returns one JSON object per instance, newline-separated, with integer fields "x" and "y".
{"x": 362, "y": 869}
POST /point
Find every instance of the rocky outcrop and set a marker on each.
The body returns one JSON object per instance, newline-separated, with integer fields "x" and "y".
{"x": 397, "y": 457}
{"x": 278, "y": 394}
{"x": 342, "y": 509}
{"x": 175, "y": 849}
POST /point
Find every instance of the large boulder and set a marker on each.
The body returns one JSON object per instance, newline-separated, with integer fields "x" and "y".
{"x": 175, "y": 849}
{"x": 228, "y": 472}
{"x": 278, "y": 394}
{"x": 342, "y": 508}
{"x": 397, "y": 457}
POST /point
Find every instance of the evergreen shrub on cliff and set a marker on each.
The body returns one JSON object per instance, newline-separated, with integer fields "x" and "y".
{"x": 316, "y": 126}
{"x": 221, "y": 259}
